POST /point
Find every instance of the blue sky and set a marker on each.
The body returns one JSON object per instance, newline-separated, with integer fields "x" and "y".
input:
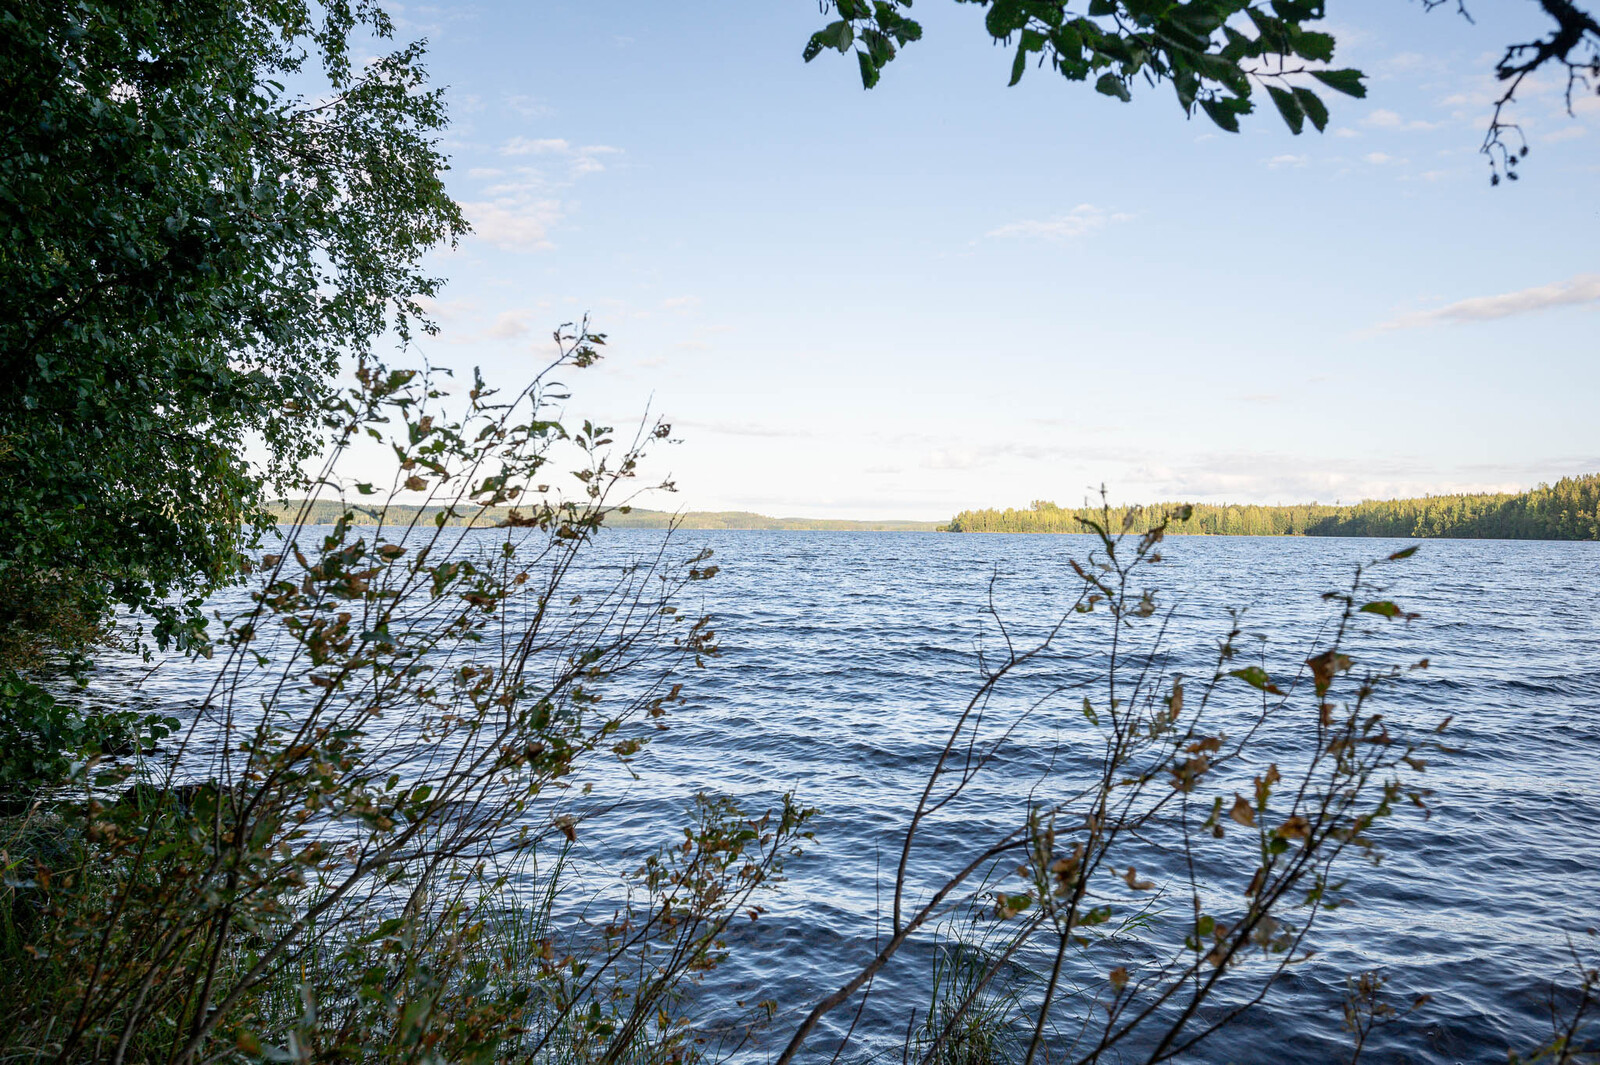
{"x": 945, "y": 293}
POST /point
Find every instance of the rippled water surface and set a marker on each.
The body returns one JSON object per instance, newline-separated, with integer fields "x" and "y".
{"x": 845, "y": 657}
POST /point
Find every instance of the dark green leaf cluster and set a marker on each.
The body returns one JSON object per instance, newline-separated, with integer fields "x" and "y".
{"x": 44, "y": 741}
{"x": 203, "y": 205}
{"x": 1214, "y": 53}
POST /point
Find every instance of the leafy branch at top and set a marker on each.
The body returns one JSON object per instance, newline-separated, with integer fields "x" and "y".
{"x": 1214, "y": 53}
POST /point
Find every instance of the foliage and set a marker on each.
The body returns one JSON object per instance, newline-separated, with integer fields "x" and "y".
{"x": 400, "y": 726}
{"x": 1180, "y": 844}
{"x": 47, "y": 616}
{"x": 1566, "y": 510}
{"x": 1214, "y": 54}
{"x": 203, "y": 205}
{"x": 44, "y": 741}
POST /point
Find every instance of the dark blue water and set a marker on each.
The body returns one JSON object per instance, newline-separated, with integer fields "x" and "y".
{"x": 846, "y": 656}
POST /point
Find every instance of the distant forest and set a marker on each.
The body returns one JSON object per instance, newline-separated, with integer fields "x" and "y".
{"x": 1566, "y": 510}
{"x": 326, "y": 512}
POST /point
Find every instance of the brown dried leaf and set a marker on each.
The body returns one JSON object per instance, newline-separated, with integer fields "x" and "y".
{"x": 1325, "y": 667}
{"x": 1296, "y": 827}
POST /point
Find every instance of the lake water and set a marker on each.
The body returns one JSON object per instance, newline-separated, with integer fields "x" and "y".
{"x": 845, "y": 657}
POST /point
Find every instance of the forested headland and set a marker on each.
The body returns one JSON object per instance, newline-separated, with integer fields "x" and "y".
{"x": 1566, "y": 510}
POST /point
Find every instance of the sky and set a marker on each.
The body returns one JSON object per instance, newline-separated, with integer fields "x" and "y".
{"x": 945, "y": 293}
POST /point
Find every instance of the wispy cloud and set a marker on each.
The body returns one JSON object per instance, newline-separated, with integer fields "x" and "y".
{"x": 581, "y": 159}
{"x": 1573, "y": 292}
{"x": 529, "y": 106}
{"x": 727, "y": 428}
{"x": 954, "y": 459}
{"x": 535, "y": 146}
{"x": 1382, "y": 118}
{"x": 1082, "y": 220}
{"x": 513, "y": 222}
{"x": 1278, "y": 162}
{"x": 1565, "y": 133}
{"x": 517, "y": 211}
{"x": 508, "y": 325}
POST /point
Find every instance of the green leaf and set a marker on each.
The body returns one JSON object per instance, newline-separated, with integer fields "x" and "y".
{"x": 1111, "y": 85}
{"x": 1385, "y": 609}
{"x": 1005, "y": 18}
{"x": 1315, "y": 46}
{"x": 1289, "y": 108}
{"x": 869, "y": 70}
{"x": 1257, "y": 678}
{"x": 1220, "y": 113}
{"x": 1019, "y": 65}
{"x": 1404, "y": 553}
{"x": 1345, "y": 81}
{"x": 1313, "y": 106}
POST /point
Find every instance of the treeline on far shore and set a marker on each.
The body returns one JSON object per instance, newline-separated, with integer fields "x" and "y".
{"x": 1566, "y": 510}
{"x": 326, "y": 512}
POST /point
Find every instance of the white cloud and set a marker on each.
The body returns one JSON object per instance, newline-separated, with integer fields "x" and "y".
{"x": 1378, "y": 158}
{"x": 1575, "y": 291}
{"x": 727, "y": 428}
{"x": 947, "y": 459}
{"x": 447, "y": 310}
{"x": 586, "y": 160}
{"x": 508, "y": 325}
{"x": 1382, "y": 118}
{"x": 1082, "y": 220}
{"x": 534, "y": 146}
{"x": 1566, "y": 133}
{"x": 583, "y": 159}
{"x": 529, "y": 106}
{"x": 514, "y": 223}
{"x": 517, "y": 213}
{"x": 1346, "y": 131}
{"x": 678, "y": 303}
{"x": 1277, "y": 162}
